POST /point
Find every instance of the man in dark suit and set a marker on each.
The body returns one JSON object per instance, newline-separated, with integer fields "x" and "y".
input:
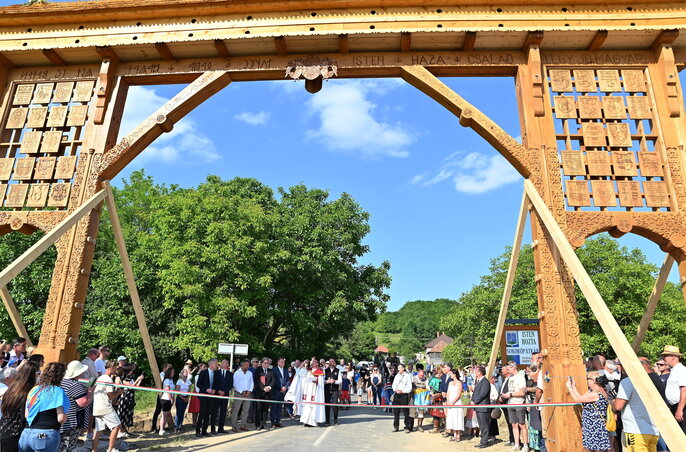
{"x": 208, "y": 383}
{"x": 225, "y": 385}
{"x": 264, "y": 382}
{"x": 482, "y": 399}
{"x": 332, "y": 387}
{"x": 281, "y": 384}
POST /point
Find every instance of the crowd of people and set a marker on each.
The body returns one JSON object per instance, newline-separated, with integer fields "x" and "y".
{"x": 48, "y": 407}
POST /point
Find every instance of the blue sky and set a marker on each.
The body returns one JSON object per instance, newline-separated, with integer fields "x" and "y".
{"x": 442, "y": 201}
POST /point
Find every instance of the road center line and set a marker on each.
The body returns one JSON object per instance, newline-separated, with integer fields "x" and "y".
{"x": 322, "y": 436}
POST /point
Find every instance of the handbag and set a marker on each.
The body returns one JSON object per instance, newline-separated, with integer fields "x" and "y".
{"x": 496, "y": 413}
{"x": 611, "y": 421}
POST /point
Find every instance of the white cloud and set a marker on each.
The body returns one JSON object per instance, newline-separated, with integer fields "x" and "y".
{"x": 254, "y": 119}
{"x": 185, "y": 140}
{"x": 472, "y": 173}
{"x": 347, "y": 122}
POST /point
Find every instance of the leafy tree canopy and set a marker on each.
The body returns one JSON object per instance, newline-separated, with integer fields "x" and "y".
{"x": 624, "y": 278}
{"x": 227, "y": 261}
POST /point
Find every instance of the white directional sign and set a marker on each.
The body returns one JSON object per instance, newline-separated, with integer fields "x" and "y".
{"x": 232, "y": 349}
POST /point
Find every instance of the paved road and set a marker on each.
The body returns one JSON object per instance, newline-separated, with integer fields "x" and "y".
{"x": 360, "y": 429}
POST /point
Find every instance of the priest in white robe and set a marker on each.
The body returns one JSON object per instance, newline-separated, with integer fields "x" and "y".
{"x": 295, "y": 391}
{"x": 313, "y": 391}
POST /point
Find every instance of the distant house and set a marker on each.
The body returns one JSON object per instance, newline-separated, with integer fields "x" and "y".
{"x": 434, "y": 349}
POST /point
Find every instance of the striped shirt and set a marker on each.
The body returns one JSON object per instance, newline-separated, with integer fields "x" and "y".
{"x": 75, "y": 415}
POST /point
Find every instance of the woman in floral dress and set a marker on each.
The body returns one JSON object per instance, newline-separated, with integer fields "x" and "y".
{"x": 595, "y": 437}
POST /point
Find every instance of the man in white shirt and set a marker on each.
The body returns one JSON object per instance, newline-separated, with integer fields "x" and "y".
{"x": 105, "y": 415}
{"x": 8, "y": 375}
{"x": 402, "y": 388}
{"x": 102, "y": 360}
{"x": 675, "y": 390}
{"x": 243, "y": 385}
{"x": 639, "y": 430}
{"x": 89, "y": 361}
{"x": 17, "y": 354}
{"x": 516, "y": 390}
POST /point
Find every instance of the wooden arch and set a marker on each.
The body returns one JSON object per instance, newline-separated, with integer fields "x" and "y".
{"x": 600, "y": 106}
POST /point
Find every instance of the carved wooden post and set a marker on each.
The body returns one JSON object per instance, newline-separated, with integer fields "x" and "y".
{"x": 559, "y": 329}
{"x": 64, "y": 310}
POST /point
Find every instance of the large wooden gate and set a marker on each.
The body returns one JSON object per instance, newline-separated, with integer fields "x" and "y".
{"x": 600, "y": 105}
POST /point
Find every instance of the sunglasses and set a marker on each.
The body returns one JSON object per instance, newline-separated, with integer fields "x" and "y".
{"x": 661, "y": 365}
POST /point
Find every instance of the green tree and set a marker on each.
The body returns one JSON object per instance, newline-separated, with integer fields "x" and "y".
{"x": 359, "y": 344}
{"x": 623, "y": 277}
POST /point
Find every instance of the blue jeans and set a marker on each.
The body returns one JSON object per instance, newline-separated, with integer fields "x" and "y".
{"x": 388, "y": 393}
{"x": 39, "y": 440}
{"x": 180, "y": 411}
{"x": 377, "y": 394}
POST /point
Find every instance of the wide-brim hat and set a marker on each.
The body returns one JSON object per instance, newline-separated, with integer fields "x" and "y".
{"x": 671, "y": 350}
{"x": 74, "y": 369}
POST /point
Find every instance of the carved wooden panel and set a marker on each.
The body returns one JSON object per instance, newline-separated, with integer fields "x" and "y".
{"x": 573, "y": 163}
{"x": 623, "y": 163}
{"x": 578, "y": 194}
{"x": 609, "y": 122}
{"x": 603, "y": 193}
{"x": 17, "y": 195}
{"x": 38, "y": 195}
{"x": 42, "y": 137}
{"x": 59, "y": 195}
{"x": 656, "y": 194}
{"x": 584, "y": 80}
{"x": 3, "y": 191}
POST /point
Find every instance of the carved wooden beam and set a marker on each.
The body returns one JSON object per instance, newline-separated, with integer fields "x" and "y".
{"x": 469, "y": 41}
{"x": 470, "y": 116}
{"x": 131, "y": 283}
{"x": 280, "y": 43}
{"x": 598, "y": 40}
{"x": 103, "y": 89}
{"x": 107, "y": 52}
{"x": 666, "y": 37}
{"x": 164, "y": 51}
{"x": 659, "y": 412}
{"x": 49, "y": 239}
{"x": 509, "y": 282}
{"x": 14, "y": 315}
{"x": 221, "y": 48}
{"x": 343, "y": 44}
{"x": 533, "y": 38}
{"x": 54, "y": 57}
{"x": 405, "y": 41}
{"x": 652, "y": 302}
{"x": 4, "y": 61}
{"x": 163, "y": 120}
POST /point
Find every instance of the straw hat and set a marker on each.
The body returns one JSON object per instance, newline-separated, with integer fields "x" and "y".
{"x": 671, "y": 350}
{"x": 74, "y": 369}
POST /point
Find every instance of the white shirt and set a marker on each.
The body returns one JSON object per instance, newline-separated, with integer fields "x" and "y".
{"x": 403, "y": 383}
{"x": 168, "y": 383}
{"x": 677, "y": 379}
{"x": 101, "y": 401}
{"x": 92, "y": 371}
{"x": 243, "y": 381}
{"x": 183, "y": 386}
{"x": 100, "y": 366}
{"x": 515, "y": 384}
{"x": 635, "y": 417}
{"x": 539, "y": 382}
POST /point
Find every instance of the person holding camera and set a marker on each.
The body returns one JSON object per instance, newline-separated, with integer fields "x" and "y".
{"x": 594, "y": 412}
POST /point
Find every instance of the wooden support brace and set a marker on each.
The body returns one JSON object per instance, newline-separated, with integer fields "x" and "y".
{"x": 671, "y": 79}
{"x": 405, "y": 41}
{"x": 652, "y": 302}
{"x": 666, "y": 37}
{"x": 534, "y": 61}
{"x": 14, "y": 314}
{"x": 221, "y": 48}
{"x": 343, "y": 44}
{"x": 107, "y": 52}
{"x": 469, "y": 41}
{"x": 512, "y": 150}
{"x": 164, "y": 51}
{"x": 131, "y": 283}
{"x": 597, "y": 41}
{"x": 116, "y": 158}
{"x": 280, "y": 43}
{"x": 48, "y": 239}
{"x": 511, "y": 272}
{"x": 6, "y": 62}
{"x": 103, "y": 89}
{"x": 659, "y": 412}
{"x": 54, "y": 57}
